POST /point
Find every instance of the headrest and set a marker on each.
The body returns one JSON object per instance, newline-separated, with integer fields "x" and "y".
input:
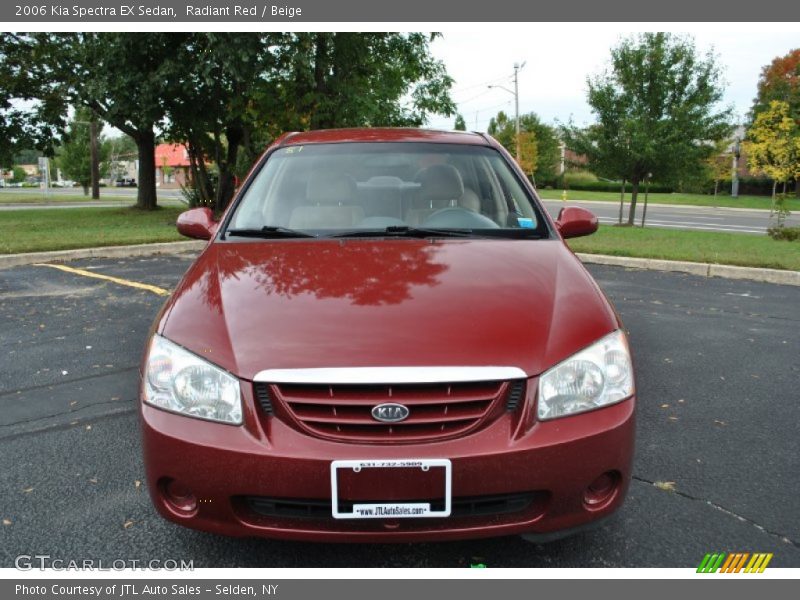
{"x": 328, "y": 187}
{"x": 440, "y": 182}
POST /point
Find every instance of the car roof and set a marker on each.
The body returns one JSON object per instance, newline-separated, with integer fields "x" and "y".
{"x": 383, "y": 134}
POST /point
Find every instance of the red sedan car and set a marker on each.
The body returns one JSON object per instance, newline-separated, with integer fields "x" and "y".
{"x": 387, "y": 339}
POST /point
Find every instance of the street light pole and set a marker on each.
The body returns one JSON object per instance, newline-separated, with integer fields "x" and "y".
{"x": 516, "y": 104}
{"x": 517, "y": 68}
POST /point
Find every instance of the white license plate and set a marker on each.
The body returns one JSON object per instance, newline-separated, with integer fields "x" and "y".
{"x": 392, "y": 509}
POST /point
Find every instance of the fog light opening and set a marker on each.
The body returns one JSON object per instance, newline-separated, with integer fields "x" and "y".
{"x": 602, "y": 490}
{"x": 178, "y": 497}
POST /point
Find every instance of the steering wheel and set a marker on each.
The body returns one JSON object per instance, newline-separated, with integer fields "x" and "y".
{"x": 459, "y": 218}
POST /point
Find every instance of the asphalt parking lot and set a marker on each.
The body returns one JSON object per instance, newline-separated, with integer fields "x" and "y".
{"x": 717, "y": 462}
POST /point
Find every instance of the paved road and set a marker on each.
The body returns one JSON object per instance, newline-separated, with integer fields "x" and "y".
{"x": 718, "y": 413}
{"x": 699, "y": 218}
{"x": 109, "y": 197}
{"x": 658, "y": 215}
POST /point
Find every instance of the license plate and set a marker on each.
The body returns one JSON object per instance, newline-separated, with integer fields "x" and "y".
{"x": 393, "y": 509}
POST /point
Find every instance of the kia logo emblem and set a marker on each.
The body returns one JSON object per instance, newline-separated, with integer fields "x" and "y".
{"x": 390, "y": 413}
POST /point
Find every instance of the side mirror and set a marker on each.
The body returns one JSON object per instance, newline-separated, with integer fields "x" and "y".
{"x": 574, "y": 221}
{"x": 197, "y": 223}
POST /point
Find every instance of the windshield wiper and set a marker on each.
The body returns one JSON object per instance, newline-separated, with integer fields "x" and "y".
{"x": 406, "y": 231}
{"x": 269, "y": 232}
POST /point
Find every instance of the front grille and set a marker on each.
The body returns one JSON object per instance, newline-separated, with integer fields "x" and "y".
{"x": 474, "y": 506}
{"x": 263, "y": 397}
{"x": 436, "y": 411}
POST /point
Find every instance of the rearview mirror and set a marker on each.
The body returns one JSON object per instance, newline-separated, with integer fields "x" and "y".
{"x": 197, "y": 223}
{"x": 574, "y": 221}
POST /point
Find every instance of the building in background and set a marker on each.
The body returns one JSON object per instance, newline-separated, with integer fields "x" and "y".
{"x": 173, "y": 169}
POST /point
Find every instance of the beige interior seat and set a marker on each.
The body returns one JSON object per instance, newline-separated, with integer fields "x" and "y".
{"x": 440, "y": 186}
{"x": 331, "y": 203}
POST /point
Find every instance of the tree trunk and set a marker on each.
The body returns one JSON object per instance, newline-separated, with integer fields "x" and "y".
{"x": 634, "y": 196}
{"x": 784, "y": 188}
{"x": 226, "y": 185}
{"x": 146, "y": 198}
{"x": 716, "y": 187}
{"x": 774, "y": 187}
{"x": 318, "y": 119}
{"x": 621, "y": 201}
{"x": 646, "y": 198}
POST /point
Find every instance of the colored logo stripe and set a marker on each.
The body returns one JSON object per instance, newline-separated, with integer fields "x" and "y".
{"x": 734, "y": 563}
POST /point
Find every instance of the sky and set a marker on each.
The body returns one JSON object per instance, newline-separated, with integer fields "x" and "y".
{"x": 559, "y": 57}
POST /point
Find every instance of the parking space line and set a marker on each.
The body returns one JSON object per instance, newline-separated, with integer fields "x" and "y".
{"x": 134, "y": 284}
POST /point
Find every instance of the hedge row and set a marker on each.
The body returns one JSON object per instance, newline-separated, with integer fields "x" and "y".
{"x": 612, "y": 186}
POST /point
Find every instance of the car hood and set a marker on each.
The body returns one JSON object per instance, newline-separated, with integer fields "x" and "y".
{"x": 254, "y": 305}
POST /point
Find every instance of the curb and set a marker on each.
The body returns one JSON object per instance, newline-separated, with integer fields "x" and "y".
{"x": 777, "y": 276}
{"x": 14, "y": 260}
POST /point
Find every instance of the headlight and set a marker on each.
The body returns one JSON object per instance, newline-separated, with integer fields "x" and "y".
{"x": 178, "y": 381}
{"x": 600, "y": 375}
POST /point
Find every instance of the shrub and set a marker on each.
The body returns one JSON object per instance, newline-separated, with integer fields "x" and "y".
{"x": 789, "y": 234}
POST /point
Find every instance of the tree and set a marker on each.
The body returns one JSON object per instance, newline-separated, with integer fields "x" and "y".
{"x": 460, "y": 124}
{"x": 719, "y": 166}
{"x": 780, "y": 80}
{"x": 121, "y": 77}
{"x": 74, "y": 155}
{"x": 504, "y": 129}
{"x": 18, "y": 175}
{"x": 656, "y": 111}
{"x": 247, "y": 88}
{"x": 773, "y": 144}
{"x": 33, "y": 125}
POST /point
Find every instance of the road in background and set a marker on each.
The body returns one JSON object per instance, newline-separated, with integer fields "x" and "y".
{"x": 700, "y": 218}
{"x": 715, "y": 469}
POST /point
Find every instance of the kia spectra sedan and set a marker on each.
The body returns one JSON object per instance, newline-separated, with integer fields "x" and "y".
{"x": 386, "y": 339}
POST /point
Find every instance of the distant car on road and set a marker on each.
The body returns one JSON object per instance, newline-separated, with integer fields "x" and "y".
{"x": 386, "y": 339}
{"x": 125, "y": 182}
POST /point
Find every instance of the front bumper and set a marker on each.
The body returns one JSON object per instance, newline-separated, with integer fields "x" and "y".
{"x": 232, "y": 470}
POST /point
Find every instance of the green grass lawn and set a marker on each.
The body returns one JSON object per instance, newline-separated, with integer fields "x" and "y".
{"x": 761, "y": 202}
{"x": 59, "y": 229}
{"x": 64, "y": 228}
{"x": 696, "y": 246}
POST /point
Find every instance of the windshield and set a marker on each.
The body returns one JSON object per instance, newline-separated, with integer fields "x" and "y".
{"x": 358, "y": 188}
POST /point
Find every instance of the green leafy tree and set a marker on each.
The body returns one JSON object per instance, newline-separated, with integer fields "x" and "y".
{"x": 657, "y": 113}
{"x": 18, "y": 175}
{"x": 26, "y": 126}
{"x": 773, "y": 144}
{"x": 719, "y": 166}
{"x": 121, "y": 77}
{"x": 503, "y": 128}
{"x": 460, "y": 124}
{"x": 74, "y": 155}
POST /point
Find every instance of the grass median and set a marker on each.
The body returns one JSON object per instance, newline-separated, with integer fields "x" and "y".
{"x": 61, "y": 229}
{"x": 66, "y": 228}
{"x": 695, "y": 246}
{"x": 759, "y": 202}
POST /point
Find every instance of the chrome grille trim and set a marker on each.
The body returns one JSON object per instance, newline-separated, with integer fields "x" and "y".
{"x": 389, "y": 375}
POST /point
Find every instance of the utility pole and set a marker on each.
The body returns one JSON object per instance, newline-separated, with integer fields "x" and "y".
{"x": 517, "y": 68}
{"x": 516, "y": 103}
{"x": 735, "y": 173}
{"x": 94, "y": 159}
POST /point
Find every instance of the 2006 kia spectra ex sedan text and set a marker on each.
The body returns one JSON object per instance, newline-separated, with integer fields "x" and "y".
{"x": 387, "y": 339}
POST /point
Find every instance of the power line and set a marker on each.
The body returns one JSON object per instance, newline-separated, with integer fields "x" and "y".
{"x": 477, "y": 85}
